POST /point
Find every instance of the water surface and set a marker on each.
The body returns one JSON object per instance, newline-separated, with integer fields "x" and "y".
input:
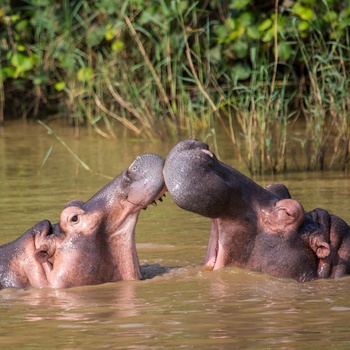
{"x": 186, "y": 308}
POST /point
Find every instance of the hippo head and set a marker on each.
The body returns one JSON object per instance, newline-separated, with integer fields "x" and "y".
{"x": 262, "y": 229}
{"x": 94, "y": 242}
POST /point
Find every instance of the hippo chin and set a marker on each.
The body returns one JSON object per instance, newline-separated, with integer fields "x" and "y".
{"x": 93, "y": 242}
{"x": 262, "y": 229}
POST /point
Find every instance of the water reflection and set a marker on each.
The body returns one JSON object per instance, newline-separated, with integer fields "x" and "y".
{"x": 186, "y": 307}
{"x": 91, "y": 304}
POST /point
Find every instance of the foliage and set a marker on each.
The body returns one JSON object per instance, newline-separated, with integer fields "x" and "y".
{"x": 173, "y": 67}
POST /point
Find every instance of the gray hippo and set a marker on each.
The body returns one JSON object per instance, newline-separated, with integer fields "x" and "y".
{"x": 262, "y": 229}
{"x": 93, "y": 242}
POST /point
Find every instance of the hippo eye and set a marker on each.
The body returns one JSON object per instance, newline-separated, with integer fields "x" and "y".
{"x": 74, "y": 218}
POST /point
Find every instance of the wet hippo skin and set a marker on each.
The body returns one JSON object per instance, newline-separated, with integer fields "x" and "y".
{"x": 262, "y": 229}
{"x": 93, "y": 242}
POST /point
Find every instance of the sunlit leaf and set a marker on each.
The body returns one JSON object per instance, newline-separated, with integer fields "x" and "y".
{"x": 22, "y": 62}
{"x": 60, "y": 85}
{"x": 268, "y": 36}
{"x": 303, "y": 12}
{"x": 266, "y": 24}
{"x": 21, "y": 48}
{"x": 109, "y": 34}
{"x": 303, "y": 25}
{"x": 85, "y": 74}
{"x": 15, "y": 18}
{"x": 117, "y": 45}
{"x": 232, "y": 36}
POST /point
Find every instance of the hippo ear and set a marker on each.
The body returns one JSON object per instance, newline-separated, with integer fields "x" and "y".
{"x": 319, "y": 246}
{"x": 279, "y": 190}
{"x": 322, "y": 250}
{"x": 42, "y": 254}
{"x": 75, "y": 203}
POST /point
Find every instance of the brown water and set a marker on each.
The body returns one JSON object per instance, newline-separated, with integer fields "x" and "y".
{"x": 186, "y": 308}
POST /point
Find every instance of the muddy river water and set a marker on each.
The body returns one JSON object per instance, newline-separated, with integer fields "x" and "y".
{"x": 187, "y": 308}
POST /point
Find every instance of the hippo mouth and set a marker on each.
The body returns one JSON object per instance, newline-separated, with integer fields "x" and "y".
{"x": 144, "y": 203}
{"x": 211, "y": 258}
{"x": 159, "y": 198}
{"x": 216, "y": 257}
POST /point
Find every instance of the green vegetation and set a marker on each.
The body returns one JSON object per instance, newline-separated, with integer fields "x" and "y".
{"x": 172, "y": 68}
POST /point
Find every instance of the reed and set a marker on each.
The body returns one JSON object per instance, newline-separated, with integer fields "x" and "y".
{"x": 70, "y": 151}
{"x": 262, "y": 111}
{"x": 263, "y": 116}
{"x": 178, "y": 69}
{"x": 326, "y": 102}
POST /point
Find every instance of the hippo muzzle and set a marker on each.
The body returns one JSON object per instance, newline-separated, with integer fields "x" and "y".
{"x": 195, "y": 178}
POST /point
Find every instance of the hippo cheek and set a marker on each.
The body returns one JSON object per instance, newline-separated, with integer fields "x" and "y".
{"x": 63, "y": 242}
{"x": 80, "y": 258}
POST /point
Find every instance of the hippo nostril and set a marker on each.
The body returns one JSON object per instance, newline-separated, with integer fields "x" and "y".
{"x": 50, "y": 231}
{"x": 127, "y": 177}
{"x": 207, "y": 152}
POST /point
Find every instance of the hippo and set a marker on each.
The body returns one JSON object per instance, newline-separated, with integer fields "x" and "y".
{"x": 93, "y": 242}
{"x": 262, "y": 229}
